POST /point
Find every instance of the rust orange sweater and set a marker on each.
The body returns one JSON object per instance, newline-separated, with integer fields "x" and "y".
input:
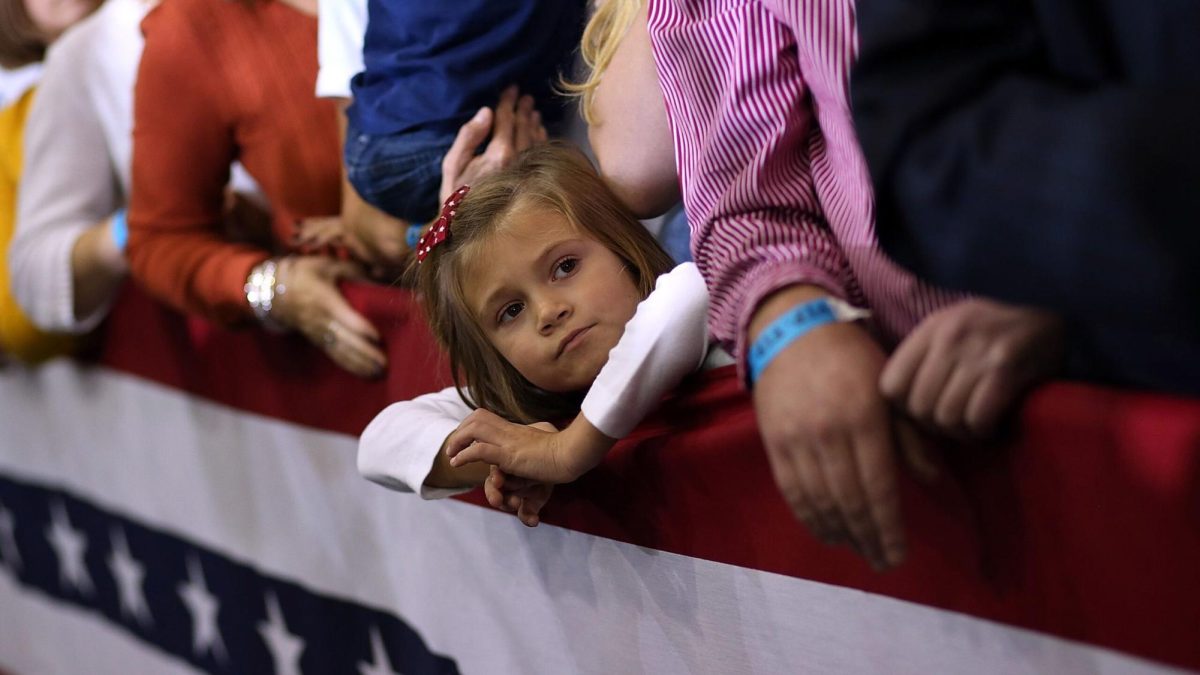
{"x": 218, "y": 82}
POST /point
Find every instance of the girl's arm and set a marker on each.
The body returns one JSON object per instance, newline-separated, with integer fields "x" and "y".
{"x": 401, "y": 448}
{"x": 664, "y": 341}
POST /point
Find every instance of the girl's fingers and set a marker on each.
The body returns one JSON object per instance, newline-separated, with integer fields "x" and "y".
{"x": 480, "y": 451}
{"x": 528, "y": 513}
{"x": 492, "y": 492}
{"x": 480, "y": 425}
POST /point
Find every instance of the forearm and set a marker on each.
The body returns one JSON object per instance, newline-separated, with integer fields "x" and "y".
{"x": 403, "y": 447}
{"x": 581, "y": 446}
{"x": 446, "y": 477}
{"x": 666, "y": 340}
{"x": 193, "y": 269}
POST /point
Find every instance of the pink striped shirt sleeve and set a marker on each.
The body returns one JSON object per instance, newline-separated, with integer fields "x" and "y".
{"x": 774, "y": 183}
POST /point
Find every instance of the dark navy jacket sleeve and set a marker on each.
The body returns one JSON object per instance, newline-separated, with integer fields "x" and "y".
{"x": 1043, "y": 152}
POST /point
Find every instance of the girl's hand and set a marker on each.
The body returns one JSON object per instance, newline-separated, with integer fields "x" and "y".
{"x": 313, "y": 305}
{"x": 517, "y": 495}
{"x": 967, "y": 365}
{"x": 537, "y": 452}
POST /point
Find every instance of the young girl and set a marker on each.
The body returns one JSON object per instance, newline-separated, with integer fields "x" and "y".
{"x": 533, "y": 288}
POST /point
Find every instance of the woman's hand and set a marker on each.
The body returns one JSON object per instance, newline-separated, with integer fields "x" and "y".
{"x": 313, "y": 305}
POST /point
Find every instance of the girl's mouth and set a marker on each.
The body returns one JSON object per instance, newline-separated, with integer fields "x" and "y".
{"x": 572, "y": 340}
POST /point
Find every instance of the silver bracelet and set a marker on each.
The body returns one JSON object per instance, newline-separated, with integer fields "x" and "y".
{"x": 263, "y": 288}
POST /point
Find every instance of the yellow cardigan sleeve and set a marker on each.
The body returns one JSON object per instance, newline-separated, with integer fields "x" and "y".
{"x": 19, "y": 338}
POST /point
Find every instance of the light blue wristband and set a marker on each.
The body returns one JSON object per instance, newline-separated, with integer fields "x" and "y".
{"x": 413, "y": 235}
{"x": 120, "y": 229}
{"x": 793, "y": 325}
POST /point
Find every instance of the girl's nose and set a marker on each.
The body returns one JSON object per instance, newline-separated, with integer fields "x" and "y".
{"x": 553, "y": 315}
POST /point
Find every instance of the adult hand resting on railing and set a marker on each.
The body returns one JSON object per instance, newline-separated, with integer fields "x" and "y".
{"x": 313, "y": 305}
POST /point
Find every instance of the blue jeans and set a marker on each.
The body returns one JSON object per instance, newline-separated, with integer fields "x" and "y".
{"x": 400, "y": 174}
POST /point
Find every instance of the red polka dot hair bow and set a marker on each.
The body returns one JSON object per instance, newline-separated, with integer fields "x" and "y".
{"x": 440, "y": 230}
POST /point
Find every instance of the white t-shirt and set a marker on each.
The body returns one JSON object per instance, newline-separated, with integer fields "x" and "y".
{"x": 666, "y": 339}
{"x": 341, "y": 25}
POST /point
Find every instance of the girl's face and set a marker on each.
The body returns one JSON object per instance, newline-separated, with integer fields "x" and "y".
{"x": 52, "y": 17}
{"x": 550, "y": 298}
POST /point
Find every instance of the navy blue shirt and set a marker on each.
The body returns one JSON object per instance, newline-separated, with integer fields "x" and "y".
{"x": 432, "y": 65}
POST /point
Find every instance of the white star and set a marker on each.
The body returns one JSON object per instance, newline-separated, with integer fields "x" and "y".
{"x": 206, "y": 636}
{"x": 285, "y": 647}
{"x": 380, "y": 663}
{"x": 69, "y": 545}
{"x": 9, "y": 555}
{"x": 129, "y": 574}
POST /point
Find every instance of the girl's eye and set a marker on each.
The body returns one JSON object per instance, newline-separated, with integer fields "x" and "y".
{"x": 511, "y": 311}
{"x": 565, "y": 267}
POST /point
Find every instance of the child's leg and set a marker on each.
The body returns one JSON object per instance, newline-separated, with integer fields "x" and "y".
{"x": 397, "y": 173}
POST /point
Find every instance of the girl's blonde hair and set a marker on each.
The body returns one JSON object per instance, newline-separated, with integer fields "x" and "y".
{"x": 603, "y": 33}
{"x": 553, "y": 176}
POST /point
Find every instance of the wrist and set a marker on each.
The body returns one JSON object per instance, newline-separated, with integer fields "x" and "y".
{"x": 264, "y": 289}
{"x": 788, "y": 324}
{"x": 774, "y": 305}
{"x": 584, "y": 445}
{"x": 119, "y": 230}
{"x": 105, "y": 249}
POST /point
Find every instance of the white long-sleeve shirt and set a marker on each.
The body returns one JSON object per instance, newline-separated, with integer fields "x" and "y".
{"x": 77, "y": 158}
{"x": 666, "y": 339}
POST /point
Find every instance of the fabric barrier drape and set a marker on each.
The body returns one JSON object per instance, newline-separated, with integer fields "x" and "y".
{"x": 189, "y": 501}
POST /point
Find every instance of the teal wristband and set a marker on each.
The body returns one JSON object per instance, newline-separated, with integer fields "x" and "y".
{"x": 120, "y": 229}
{"x": 793, "y": 325}
{"x": 413, "y": 235}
